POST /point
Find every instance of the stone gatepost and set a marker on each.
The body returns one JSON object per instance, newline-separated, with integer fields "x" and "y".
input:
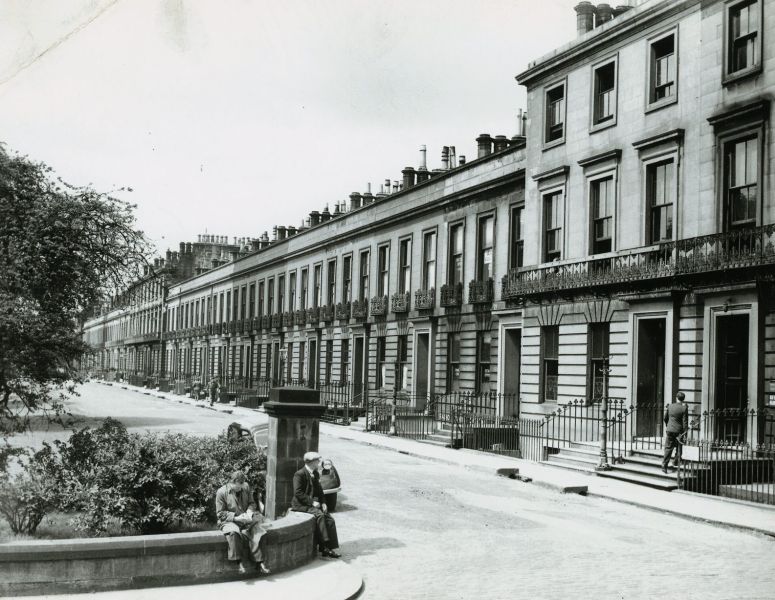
{"x": 294, "y": 416}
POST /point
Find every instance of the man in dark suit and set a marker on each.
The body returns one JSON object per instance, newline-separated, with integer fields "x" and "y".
{"x": 308, "y": 497}
{"x": 676, "y": 424}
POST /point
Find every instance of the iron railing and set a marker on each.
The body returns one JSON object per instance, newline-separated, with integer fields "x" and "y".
{"x": 425, "y": 299}
{"x": 360, "y": 309}
{"x": 451, "y": 295}
{"x": 722, "y": 251}
{"x": 343, "y": 311}
{"x": 400, "y": 302}
{"x": 378, "y": 306}
{"x": 481, "y": 292}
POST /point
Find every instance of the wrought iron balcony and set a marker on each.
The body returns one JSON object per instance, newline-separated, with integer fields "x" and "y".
{"x": 313, "y": 315}
{"x": 266, "y": 322}
{"x": 343, "y": 311}
{"x": 717, "y": 252}
{"x": 300, "y": 318}
{"x": 400, "y": 303}
{"x": 481, "y": 292}
{"x": 360, "y": 309}
{"x": 425, "y": 299}
{"x": 277, "y": 320}
{"x": 255, "y": 323}
{"x": 215, "y": 329}
{"x": 451, "y": 295}
{"x": 379, "y": 305}
{"x": 327, "y": 313}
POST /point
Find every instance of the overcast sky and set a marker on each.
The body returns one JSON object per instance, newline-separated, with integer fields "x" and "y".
{"x": 232, "y": 116}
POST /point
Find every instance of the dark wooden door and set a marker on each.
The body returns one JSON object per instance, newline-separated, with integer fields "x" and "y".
{"x": 511, "y": 362}
{"x": 731, "y": 377}
{"x": 650, "y": 394}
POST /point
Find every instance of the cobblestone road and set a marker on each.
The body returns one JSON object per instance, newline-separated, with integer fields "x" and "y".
{"x": 417, "y": 529}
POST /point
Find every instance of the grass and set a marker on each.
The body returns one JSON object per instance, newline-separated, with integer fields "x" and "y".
{"x": 59, "y": 526}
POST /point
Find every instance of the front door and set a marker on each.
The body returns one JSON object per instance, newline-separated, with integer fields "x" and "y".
{"x": 511, "y": 363}
{"x": 650, "y": 394}
{"x": 421, "y": 371}
{"x": 312, "y": 369}
{"x": 731, "y": 377}
{"x": 358, "y": 371}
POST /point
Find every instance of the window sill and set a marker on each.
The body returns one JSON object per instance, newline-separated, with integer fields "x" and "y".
{"x": 553, "y": 144}
{"x": 659, "y": 104}
{"x": 602, "y": 125}
{"x": 730, "y": 78}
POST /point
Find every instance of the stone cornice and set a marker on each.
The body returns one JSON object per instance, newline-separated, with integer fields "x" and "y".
{"x": 562, "y": 170}
{"x": 674, "y": 136}
{"x": 602, "y": 156}
{"x": 750, "y": 113}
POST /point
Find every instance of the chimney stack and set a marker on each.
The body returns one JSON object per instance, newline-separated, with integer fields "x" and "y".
{"x": 604, "y": 14}
{"x": 484, "y": 145}
{"x": 355, "y": 201}
{"x": 452, "y": 157}
{"x": 281, "y": 231}
{"x": 585, "y": 17}
{"x": 408, "y": 173}
{"x": 189, "y": 248}
{"x": 462, "y": 160}
{"x": 314, "y": 218}
{"x": 325, "y": 215}
{"x": 501, "y": 143}
{"x": 274, "y": 233}
{"x": 445, "y": 158}
{"x": 423, "y": 159}
{"x": 396, "y": 189}
{"x": 291, "y": 230}
{"x": 368, "y": 197}
{"x": 621, "y": 9}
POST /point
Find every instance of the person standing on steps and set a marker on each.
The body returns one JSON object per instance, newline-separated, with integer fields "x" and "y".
{"x": 676, "y": 424}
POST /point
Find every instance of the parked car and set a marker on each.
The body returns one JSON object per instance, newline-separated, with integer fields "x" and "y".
{"x": 330, "y": 482}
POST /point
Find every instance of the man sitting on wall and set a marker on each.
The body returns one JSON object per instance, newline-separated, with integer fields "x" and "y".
{"x": 308, "y": 497}
{"x": 241, "y": 522}
{"x": 676, "y": 425}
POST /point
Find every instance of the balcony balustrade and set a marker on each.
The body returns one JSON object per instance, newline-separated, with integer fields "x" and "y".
{"x": 255, "y": 323}
{"x": 327, "y": 313}
{"x": 400, "y": 303}
{"x": 481, "y": 292}
{"x": 300, "y": 318}
{"x": 717, "y": 252}
{"x": 379, "y": 306}
{"x": 451, "y": 295}
{"x": 313, "y": 315}
{"x": 343, "y": 311}
{"x": 215, "y": 329}
{"x": 425, "y": 299}
{"x": 277, "y": 320}
{"x": 360, "y": 309}
{"x": 266, "y": 322}
{"x": 288, "y": 319}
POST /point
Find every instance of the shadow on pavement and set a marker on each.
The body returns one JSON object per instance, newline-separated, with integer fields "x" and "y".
{"x": 366, "y": 546}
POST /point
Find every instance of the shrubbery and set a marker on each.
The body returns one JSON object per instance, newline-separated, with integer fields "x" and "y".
{"x": 147, "y": 482}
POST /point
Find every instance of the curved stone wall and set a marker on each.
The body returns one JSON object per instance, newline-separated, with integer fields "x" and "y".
{"x": 93, "y": 564}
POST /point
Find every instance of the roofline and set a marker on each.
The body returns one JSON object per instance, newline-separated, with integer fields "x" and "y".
{"x": 630, "y": 23}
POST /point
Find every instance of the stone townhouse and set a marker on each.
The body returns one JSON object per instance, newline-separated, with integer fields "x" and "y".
{"x": 649, "y": 218}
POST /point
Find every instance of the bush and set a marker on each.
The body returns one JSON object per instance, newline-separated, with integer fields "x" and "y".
{"x": 149, "y": 482}
{"x": 23, "y": 500}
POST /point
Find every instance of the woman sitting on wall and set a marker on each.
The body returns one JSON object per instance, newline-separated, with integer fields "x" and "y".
{"x": 241, "y": 523}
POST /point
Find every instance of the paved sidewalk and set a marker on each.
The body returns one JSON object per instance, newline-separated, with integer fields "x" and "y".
{"x": 731, "y": 513}
{"x": 319, "y": 580}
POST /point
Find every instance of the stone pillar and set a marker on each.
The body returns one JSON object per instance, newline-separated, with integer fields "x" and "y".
{"x": 294, "y": 415}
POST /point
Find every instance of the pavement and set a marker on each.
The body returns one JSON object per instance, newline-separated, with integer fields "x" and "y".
{"x": 320, "y": 580}
{"x": 710, "y": 509}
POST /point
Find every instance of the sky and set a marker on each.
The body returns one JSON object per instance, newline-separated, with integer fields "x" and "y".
{"x": 231, "y": 116}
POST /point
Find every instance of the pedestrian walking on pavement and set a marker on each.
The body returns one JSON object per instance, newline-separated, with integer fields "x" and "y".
{"x": 214, "y": 387}
{"x": 308, "y": 497}
{"x": 241, "y": 521}
{"x": 676, "y": 426}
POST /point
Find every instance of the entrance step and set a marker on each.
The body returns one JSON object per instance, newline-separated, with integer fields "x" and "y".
{"x": 659, "y": 483}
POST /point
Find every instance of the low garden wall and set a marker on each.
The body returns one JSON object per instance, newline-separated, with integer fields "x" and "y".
{"x": 94, "y": 564}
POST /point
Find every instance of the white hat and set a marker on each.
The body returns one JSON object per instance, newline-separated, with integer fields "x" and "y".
{"x": 310, "y": 456}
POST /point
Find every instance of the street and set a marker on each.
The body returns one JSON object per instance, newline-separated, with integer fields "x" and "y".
{"x": 418, "y": 529}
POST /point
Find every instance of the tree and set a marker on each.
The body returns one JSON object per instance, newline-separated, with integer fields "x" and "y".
{"x": 63, "y": 251}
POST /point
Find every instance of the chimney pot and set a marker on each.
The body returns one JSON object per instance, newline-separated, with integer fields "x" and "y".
{"x": 484, "y": 145}
{"x": 314, "y": 218}
{"x": 408, "y": 173}
{"x": 585, "y": 16}
{"x": 501, "y": 143}
{"x": 355, "y": 201}
{"x": 291, "y": 230}
{"x": 423, "y": 158}
{"x": 445, "y": 158}
{"x": 281, "y": 232}
{"x": 325, "y": 215}
{"x": 604, "y": 14}
{"x": 368, "y": 197}
{"x": 462, "y": 160}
